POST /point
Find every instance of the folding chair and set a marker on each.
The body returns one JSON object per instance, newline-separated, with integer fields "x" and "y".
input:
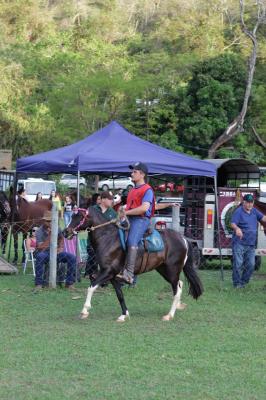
{"x": 29, "y": 257}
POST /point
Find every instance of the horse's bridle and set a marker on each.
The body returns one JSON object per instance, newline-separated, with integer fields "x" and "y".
{"x": 86, "y": 213}
{"x": 115, "y": 221}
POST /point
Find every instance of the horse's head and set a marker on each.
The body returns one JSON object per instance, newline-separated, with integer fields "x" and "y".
{"x": 80, "y": 221}
{"x": 5, "y": 209}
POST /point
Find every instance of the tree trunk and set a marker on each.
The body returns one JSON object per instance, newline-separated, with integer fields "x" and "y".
{"x": 236, "y": 126}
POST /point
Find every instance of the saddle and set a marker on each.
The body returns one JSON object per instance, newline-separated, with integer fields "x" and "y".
{"x": 152, "y": 241}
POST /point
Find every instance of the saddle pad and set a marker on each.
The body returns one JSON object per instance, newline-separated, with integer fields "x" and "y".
{"x": 153, "y": 242}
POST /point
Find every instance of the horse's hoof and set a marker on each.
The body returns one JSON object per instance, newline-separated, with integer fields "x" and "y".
{"x": 181, "y": 306}
{"x": 123, "y": 317}
{"x": 167, "y": 317}
{"x": 83, "y": 316}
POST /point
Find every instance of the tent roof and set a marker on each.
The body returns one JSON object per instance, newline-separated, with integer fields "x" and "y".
{"x": 113, "y": 149}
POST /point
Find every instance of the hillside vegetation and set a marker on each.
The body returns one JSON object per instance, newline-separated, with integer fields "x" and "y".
{"x": 171, "y": 71}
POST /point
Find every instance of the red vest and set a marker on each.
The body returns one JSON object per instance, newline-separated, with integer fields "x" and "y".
{"x": 135, "y": 196}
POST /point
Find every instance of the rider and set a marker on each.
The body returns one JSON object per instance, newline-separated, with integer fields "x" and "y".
{"x": 140, "y": 208}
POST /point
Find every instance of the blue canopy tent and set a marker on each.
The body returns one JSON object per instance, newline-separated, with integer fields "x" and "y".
{"x": 112, "y": 149}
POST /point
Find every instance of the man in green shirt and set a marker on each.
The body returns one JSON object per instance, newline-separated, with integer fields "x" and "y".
{"x": 105, "y": 207}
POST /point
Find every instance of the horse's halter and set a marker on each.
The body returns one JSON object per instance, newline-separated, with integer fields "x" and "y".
{"x": 85, "y": 217}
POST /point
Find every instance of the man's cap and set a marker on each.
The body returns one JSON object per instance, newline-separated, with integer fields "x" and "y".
{"x": 47, "y": 216}
{"x": 249, "y": 198}
{"x": 107, "y": 195}
{"x": 139, "y": 166}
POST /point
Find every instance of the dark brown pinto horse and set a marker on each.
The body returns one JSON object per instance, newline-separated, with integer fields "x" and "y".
{"x": 177, "y": 256}
{"x": 5, "y": 212}
{"x": 26, "y": 216}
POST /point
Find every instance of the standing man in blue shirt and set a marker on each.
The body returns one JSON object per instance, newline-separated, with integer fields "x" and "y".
{"x": 244, "y": 224}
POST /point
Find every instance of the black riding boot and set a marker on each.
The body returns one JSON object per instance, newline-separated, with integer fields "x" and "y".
{"x": 128, "y": 273}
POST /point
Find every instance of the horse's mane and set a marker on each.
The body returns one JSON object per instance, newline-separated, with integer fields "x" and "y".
{"x": 97, "y": 219}
{"x": 97, "y": 216}
{"x": 104, "y": 238}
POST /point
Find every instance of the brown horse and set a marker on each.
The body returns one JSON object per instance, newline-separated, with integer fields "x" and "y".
{"x": 176, "y": 256}
{"x": 26, "y": 216}
{"x": 5, "y": 212}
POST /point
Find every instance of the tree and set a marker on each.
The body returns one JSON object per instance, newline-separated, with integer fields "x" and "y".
{"x": 236, "y": 126}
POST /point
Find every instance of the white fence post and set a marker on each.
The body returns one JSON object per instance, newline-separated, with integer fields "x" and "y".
{"x": 53, "y": 248}
{"x": 176, "y": 218}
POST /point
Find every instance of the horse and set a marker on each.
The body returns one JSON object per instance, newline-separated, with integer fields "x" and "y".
{"x": 5, "y": 212}
{"x": 26, "y": 215}
{"x": 176, "y": 256}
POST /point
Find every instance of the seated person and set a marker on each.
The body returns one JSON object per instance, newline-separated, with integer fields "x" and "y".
{"x": 43, "y": 238}
{"x": 31, "y": 240}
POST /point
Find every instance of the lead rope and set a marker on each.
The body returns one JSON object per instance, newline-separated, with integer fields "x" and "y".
{"x": 115, "y": 221}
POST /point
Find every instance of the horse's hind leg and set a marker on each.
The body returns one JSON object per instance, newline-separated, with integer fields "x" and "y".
{"x": 121, "y": 299}
{"x": 176, "y": 305}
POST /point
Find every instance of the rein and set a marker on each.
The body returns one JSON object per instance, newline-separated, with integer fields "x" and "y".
{"x": 115, "y": 221}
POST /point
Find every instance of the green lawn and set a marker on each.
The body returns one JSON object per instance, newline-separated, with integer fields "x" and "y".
{"x": 215, "y": 349}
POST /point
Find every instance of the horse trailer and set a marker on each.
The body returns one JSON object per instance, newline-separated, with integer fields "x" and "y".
{"x": 211, "y": 233}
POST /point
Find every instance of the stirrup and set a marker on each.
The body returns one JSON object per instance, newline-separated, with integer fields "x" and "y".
{"x": 125, "y": 279}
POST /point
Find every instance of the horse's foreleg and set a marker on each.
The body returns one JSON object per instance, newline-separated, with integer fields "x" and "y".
{"x": 87, "y": 305}
{"x": 15, "y": 237}
{"x": 176, "y": 305}
{"x": 24, "y": 237}
{"x": 103, "y": 277}
{"x": 121, "y": 299}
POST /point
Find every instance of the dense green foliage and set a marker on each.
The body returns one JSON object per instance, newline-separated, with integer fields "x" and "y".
{"x": 171, "y": 71}
{"x": 213, "y": 350}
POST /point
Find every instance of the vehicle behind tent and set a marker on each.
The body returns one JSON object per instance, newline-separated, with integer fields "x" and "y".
{"x": 233, "y": 182}
{"x": 35, "y": 185}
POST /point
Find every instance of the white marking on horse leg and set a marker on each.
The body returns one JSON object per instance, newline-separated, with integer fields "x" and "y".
{"x": 87, "y": 304}
{"x": 176, "y": 303}
{"x": 186, "y": 244}
{"x": 179, "y": 305}
{"x": 123, "y": 317}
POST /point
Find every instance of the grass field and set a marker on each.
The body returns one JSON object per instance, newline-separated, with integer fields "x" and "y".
{"x": 215, "y": 349}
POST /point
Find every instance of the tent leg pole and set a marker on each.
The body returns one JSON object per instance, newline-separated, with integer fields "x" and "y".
{"x": 78, "y": 195}
{"x": 78, "y": 201}
{"x": 218, "y": 228}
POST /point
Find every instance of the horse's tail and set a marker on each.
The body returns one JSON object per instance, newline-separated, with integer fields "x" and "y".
{"x": 195, "y": 285}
